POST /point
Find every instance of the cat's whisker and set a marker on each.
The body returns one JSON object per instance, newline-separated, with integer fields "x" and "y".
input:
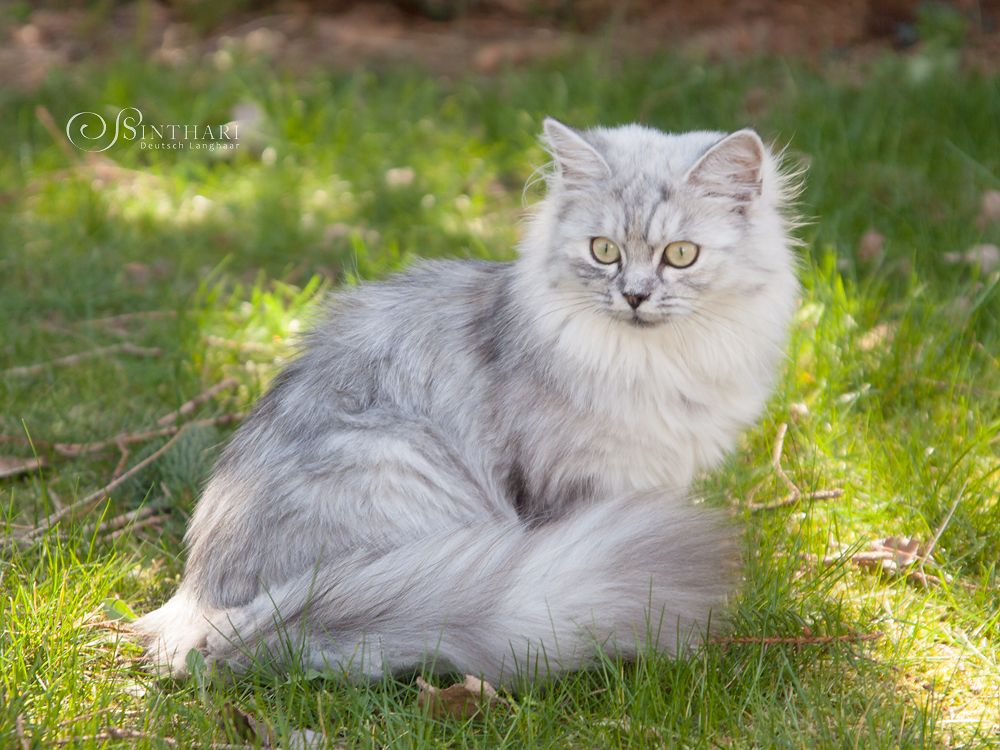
{"x": 571, "y": 307}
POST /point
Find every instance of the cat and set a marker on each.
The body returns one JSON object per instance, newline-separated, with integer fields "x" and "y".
{"x": 482, "y": 467}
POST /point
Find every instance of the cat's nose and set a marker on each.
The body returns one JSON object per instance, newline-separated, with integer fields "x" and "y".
{"x": 635, "y": 300}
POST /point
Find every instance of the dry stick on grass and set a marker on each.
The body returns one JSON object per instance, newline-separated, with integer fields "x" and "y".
{"x": 115, "y": 733}
{"x": 961, "y": 387}
{"x": 201, "y": 398}
{"x": 795, "y": 494}
{"x": 91, "y": 501}
{"x": 789, "y": 500}
{"x": 941, "y": 528}
{"x": 73, "y": 450}
{"x": 83, "y": 717}
{"x": 11, "y": 466}
{"x": 122, "y": 461}
{"x": 56, "y": 500}
{"x": 779, "y": 446}
{"x": 80, "y": 449}
{"x": 45, "y": 117}
{"x": 800, "y": 640}
{"x": 871, "y": 560}
{"x": 73, "y": 359}
{"x": 19, "y": 731}
{"x": 115, "y": 626}
{"x": 115, "y": 320}
{"x": 23, "y": 441}
{"x": 118, "y": 522}
{"x": 138, "y": 527}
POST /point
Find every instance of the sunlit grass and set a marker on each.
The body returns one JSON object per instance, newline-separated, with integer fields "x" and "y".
{"x": 890, "y": 390}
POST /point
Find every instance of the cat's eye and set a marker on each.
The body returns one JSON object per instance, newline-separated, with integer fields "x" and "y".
{"x": 605, "y": 250}
{"x": 680, "y": 254}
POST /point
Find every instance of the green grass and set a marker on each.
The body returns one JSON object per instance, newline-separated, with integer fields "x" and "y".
{"x": 903, "y": 420}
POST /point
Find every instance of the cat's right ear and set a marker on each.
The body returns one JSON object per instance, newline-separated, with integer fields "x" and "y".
{"x": 733, "y": 168}
{"x": 577, "y": 161}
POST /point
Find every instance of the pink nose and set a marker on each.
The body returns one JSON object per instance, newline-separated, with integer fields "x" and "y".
{"x": 635, "y": 300}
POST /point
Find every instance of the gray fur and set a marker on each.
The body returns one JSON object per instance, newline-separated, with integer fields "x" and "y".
{"x": 477, "y": 466}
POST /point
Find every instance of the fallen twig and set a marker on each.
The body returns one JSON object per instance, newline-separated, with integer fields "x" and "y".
{"x": 792, "y": 500}
{"x": 799, "y": 640}
{"x": 249, "y": 346}
{"x": 115, "y": 320}
{"x": 12, "y": 465}
{"x": 201, "y": 398}
{"x": 944, "y": 523}
{"x": 90, "y": 501}
{"x": 970, "y": 389}
{"x": 116, "y": 626}
{"x": 779, "y": 446}
{"x": 49, "y": 123}
{"x": 118, "y": 522}
{"x": 893, "y": 556}
{"x": 83, "y": 717}
{"x": 114, "y": 733}
{"x": 56, "y": 500}
{"x": 138, "y": 527}
{"x": 122, "y": 462}
{"x": 19, "y": 731}
{"x": 926, "y": 580}
{"x": 73, "y": 359}
{"x": 73, "y": 450}
{"x": 79, "y": 449}
{"x": 794, "y": 495}
{"x": 23, "y": 441}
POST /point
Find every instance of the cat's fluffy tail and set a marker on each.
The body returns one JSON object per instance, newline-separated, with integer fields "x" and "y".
{"x": 505, "y": 600}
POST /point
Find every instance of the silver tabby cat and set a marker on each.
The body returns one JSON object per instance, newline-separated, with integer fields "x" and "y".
{"x": 481, "y": 467}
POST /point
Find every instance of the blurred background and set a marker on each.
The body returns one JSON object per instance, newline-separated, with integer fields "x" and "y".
{"x": 453, "y": 36}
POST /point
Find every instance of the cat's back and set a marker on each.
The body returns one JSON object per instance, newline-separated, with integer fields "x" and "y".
{"x": 423, "y": 343}
{"x": 416, "y": 313}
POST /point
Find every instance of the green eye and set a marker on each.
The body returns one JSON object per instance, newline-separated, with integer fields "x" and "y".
{"x": 680, "y": 254}
{"x": 605, "y": 250}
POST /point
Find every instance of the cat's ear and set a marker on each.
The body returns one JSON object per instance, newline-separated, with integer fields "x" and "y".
{"x": 732, "y": 168}
{"x": 577, "y": 161}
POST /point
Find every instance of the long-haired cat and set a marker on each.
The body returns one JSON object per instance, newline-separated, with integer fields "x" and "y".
{"x": 481, "y": 467}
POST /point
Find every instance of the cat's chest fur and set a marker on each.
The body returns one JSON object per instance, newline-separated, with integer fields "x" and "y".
{"x": 633, "y": 410}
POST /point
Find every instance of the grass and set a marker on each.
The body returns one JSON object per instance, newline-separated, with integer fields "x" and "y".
{"x": 890, "y": 390}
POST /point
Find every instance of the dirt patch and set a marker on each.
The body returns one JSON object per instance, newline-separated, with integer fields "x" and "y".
{"x": 485, "y": 39}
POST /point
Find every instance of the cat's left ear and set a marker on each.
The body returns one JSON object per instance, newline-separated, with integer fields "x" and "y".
{"x": 577, "y": 161}
{"x": 732, "y": 168}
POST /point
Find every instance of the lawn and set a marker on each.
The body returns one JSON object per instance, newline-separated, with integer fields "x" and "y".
{"x": 180, "y": 270}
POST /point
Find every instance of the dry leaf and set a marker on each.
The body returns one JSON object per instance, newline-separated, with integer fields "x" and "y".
{"x": 138, "y": 273}
{"x": 461, "y": 701}
{"x": 245, "y": 726}
{"x": 870, "y": 247}
{"x": 990, "y": 210}
{"x": 400, "y": 176}
{"x": 877, "y": 336}
{"x": 12, "y": 465}
{"x": 987, "y": 257}
{"x": 307, "y": 739}
{"x": 893, "y": 553}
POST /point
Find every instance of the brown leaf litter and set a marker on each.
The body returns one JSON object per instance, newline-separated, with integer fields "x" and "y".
{"x": 461, "y": 701}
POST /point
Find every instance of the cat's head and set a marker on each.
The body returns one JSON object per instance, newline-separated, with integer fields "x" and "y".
{"x": 651, "y": 228}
